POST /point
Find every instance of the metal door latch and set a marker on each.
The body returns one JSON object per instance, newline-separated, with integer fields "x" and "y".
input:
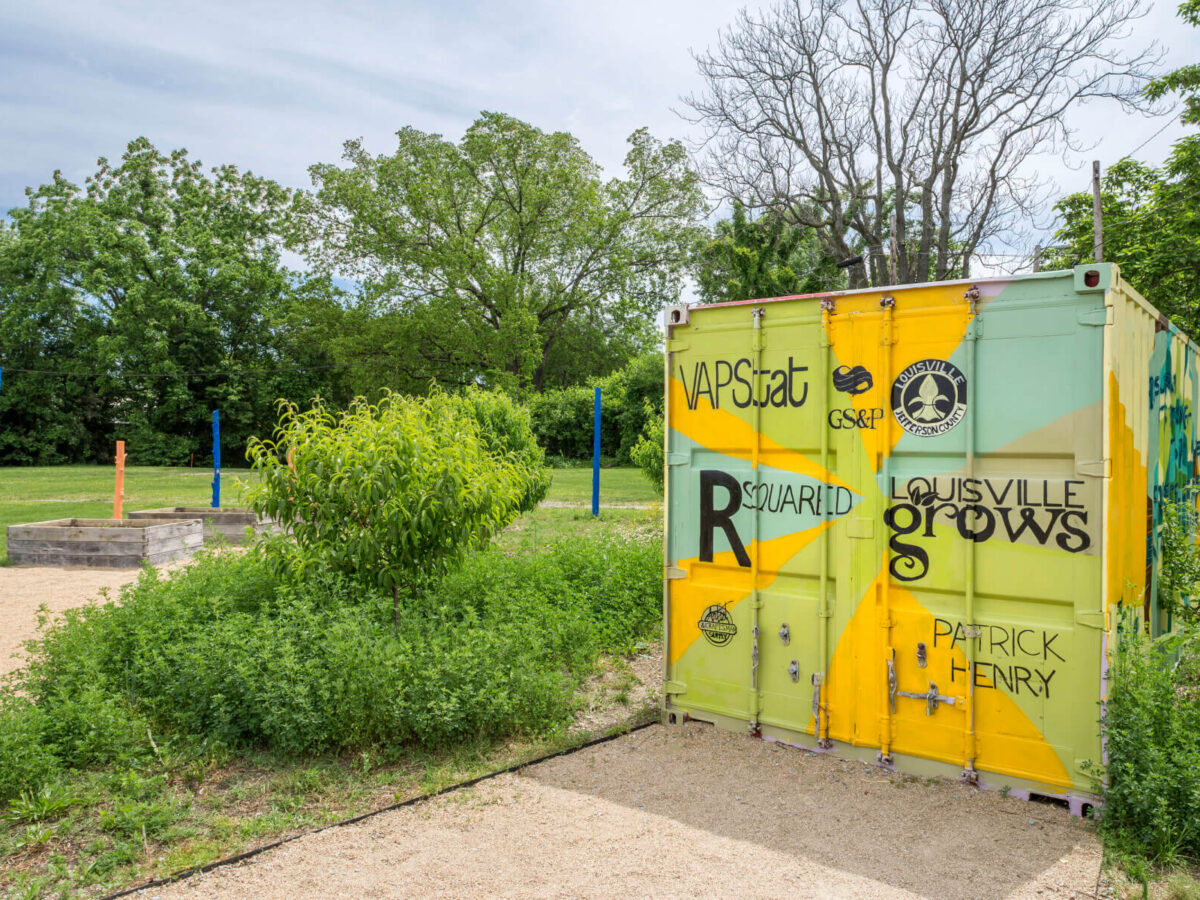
{"x": 794, "y": 670}
{"x": 785, "y": 633}
{"x": 931, "y": 697}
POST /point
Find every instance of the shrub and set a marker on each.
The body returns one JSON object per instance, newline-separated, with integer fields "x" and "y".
{"x": 394, "y": 492}
{"x": 562, "y": 419}
{"x": 234, "y": 652}
{"x": 506, "y": 431}
{"x": 648, "y": 452}
{"x": 1152, "y": 726}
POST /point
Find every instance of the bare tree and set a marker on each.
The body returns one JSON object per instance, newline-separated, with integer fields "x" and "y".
{"x": 912, "y": 119}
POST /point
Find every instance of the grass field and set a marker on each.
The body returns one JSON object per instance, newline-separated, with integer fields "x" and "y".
{"x": 86, "y": 492}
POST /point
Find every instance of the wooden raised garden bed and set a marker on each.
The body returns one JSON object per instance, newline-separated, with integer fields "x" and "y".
{"x": 228, "y": 522}
{"x": 112, "y": 543}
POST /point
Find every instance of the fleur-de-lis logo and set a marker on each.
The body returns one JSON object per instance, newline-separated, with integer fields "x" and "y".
{"x": 930, "y": 403}
{"x": 929, "y": 397}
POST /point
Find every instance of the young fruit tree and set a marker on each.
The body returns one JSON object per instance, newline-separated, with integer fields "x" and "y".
{"x": 395, "y": 492}
{"x": 905, "y": 130}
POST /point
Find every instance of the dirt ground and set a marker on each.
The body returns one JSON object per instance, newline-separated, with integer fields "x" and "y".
{"x": 23, "y": 589}
{"x": 686, "y": 811}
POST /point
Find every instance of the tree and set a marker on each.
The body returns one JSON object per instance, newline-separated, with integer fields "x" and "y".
{"x": 747, "y": 258}
{"x": 158, "y": 292}
{"x": 1151, "y": 225}
{"x": 828, "y": 111}
{"x": 484, "y": 257}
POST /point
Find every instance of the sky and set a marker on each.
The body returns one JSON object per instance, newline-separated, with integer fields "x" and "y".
{"x": 275, "y": 87}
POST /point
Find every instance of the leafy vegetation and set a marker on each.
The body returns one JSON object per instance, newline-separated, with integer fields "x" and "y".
{"x": 504, "y": 258}
{"x": 394, "y": 493}
{"x": 144, "y": 300}
{"x": 232, "y": 701}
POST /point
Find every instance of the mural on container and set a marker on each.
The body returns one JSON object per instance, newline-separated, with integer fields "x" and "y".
{"x": 859, "y": 489}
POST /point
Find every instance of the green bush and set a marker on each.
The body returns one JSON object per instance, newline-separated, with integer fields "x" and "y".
{"x": 506, "y": 429}
{"x": 396, "y": 492}
{"x": 648, "y": 452}
{"x": 562, "y": 419}
{"x": 1152, "y": 727}
{"x": 233, "y": 652}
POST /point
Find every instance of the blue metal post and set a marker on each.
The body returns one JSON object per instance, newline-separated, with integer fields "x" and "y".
{"x": 216, "y": 482}
{"x": 596, "y": 457}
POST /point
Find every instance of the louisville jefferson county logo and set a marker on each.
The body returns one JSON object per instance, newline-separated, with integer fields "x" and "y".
{"x": 717, "y": 625}
{"x": 929, "y": 397}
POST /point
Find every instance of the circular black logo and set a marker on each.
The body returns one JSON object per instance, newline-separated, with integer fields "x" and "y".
{"x": 852, "y": 381}
{"x": 929, "y": 397}
{"x": 717, "y": 625}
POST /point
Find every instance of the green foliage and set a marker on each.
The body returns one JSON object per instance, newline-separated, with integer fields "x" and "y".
{"x": 505, "y": 428}
{"x": 154, "y": 266}
{"x": 749, "y": 258}
{"x": 1150, "y": 216}
{"x": 394, "y": 492}
{"x": 563, "y": 419}
{"x": 648, "y": 451}
{"x": 231, "y": 653}
{"x": 1179, "y": 578}
{"x": 1152, "y": 727}
{"x": 504, "y": 258}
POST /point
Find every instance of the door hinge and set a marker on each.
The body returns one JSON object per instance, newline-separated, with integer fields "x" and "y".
{"x": 1091, "y": 618}
{"x": 674, "y": 572}
{"x": 1094, "y": 468}
{"x": 674, "y": 687}
{"x": 675, "y": 345}
{"x": 1097, "y": 315}
{"x": 677, "y": 459}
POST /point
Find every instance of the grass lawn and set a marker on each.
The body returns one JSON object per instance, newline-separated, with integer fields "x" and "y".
{"x": 617, "y": 485}
{"x": 36, "y": 494}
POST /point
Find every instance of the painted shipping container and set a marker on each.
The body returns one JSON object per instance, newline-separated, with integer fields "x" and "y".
{"x": 907, "y": 524}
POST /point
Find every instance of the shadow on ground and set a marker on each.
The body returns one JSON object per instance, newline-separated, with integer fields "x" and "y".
{"x": 941, "y": 839}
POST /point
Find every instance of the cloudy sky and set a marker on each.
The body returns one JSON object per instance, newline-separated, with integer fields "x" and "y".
{"x": 276, "y": 86}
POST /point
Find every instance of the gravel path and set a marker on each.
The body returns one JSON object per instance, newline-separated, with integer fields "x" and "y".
{"x": 685, "y": 812}
{"x": 23, "y": 589}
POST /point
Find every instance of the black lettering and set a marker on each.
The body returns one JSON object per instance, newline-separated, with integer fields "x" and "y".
{"x": 975, "y": 677}
{"x": 1029, "y": 523}
{"x": 722, "y": 383}
{"x": 712, "y": 518}
{"x": 955, "y": 668}
{"x": 991, "y": 490}
{"x": 792, "y": 370}
{"x": 748, "y": 495}
{"x": 979, "y": 534}
{"x": 1045, "y": 680}
{"x": 937, "y": 634}
{"x": 807, "y": 495}
{"x": 970, "y": 491}
{"x": 690, "y": 397}
{"x": 1002, "y": 643}
{"x": 1001, "y": 673}
{"x": 1017, "y": 635}
{"x": 742, "y": 404}
{"x": 697, "y": 390}
{"x": 1022, "y": 674}
{"x": 1075, "y": 539}
{"x": 1046, "y": 649}
{"x": 777, "y": 395}
{"x": 911, "y": 562}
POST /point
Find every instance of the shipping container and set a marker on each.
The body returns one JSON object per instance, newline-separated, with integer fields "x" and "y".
{"x": 907, "y": 524}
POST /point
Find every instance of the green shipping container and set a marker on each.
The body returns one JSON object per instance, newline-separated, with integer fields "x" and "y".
{"x": 907, "y": 524}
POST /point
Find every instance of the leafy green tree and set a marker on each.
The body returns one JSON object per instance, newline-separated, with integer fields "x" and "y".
{"x": 162, "y": 286}
{"x": 483, "y": 258}
{"x": 1151, "y": 223}
{"x": 748, "y": 258}
{"x": 395, "y": 492}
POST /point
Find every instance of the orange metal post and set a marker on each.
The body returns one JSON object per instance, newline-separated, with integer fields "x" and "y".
{"x": 119, "y": 490}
